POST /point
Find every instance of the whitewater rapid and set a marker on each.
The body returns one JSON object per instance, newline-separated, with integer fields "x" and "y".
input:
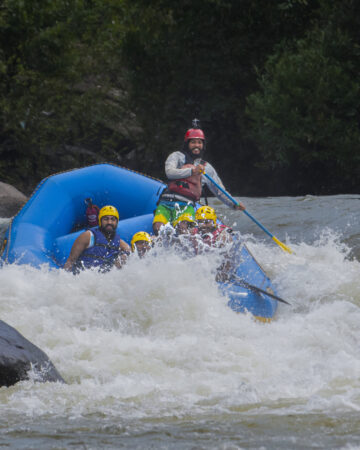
{"x": 155, "y": 344}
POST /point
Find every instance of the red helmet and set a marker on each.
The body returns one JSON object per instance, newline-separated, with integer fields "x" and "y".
{"x": 194, "y": 133}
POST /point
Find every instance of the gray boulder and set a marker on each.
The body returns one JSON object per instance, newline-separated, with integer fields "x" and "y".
{"x": 18, "y": 356}
{"x": 11, "y": 200}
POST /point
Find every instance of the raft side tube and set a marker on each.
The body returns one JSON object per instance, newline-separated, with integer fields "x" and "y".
{"x": 37, "y": 246}
{"x": 57, "y": 208}
{"x": 242, "y": 299}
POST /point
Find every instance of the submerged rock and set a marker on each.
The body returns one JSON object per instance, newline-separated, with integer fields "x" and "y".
{"x": 11, "y": 200}
{"x": 18, "y": 356}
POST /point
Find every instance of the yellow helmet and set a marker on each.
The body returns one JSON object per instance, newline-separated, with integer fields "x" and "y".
{"x": 108, "y": 210}
{"x": 206, "y": 212}
{"x": 184, "y": 217}
{"x": 140, "y": 236}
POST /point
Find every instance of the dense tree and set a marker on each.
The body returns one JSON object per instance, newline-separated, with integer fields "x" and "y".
{"x": 306, "y": 115}
{"x": 59, "y": 86}
{"x": 275, "y": 85}
{"x": 198, "y": 58}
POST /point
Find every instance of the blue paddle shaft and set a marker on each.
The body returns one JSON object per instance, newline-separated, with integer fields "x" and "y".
{"x": 236, "y": 203}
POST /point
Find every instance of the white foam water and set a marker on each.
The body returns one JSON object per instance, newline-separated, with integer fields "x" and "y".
{"x": 153, "y": 356}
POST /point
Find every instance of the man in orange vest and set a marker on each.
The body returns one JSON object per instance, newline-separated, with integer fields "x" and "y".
{"x": 184, "y": 170}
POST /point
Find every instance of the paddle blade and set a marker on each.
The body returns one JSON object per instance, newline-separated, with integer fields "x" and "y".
{"x": 282, "y": 245}
{"x": 237, "y": 280}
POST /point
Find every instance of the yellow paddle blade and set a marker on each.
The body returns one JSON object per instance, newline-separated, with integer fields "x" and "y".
{"x": 283, "y": 246}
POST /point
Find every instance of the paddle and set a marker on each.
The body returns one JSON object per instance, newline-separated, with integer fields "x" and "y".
{"x": 245, "y": 284}
{"x": 279, "y": 243}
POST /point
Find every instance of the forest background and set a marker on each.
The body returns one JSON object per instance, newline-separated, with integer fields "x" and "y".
{"x": 275, "y": 84}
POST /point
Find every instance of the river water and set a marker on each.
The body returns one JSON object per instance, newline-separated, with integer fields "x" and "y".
{"x": 154, "y": 358}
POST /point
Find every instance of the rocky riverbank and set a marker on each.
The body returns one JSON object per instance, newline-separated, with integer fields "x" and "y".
{"x": 11, "y": 200}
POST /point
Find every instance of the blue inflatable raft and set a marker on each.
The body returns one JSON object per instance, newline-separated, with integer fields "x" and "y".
{"x": 45, "y": 228}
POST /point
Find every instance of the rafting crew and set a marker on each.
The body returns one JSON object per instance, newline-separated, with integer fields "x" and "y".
{"x": 209, "y": 235}
{"x": 184, "y": 224}
{"x": 99, "y": 247}
{"x": 141, "y": 243}
{"x": 182, "y": 239}
{"x": 209, "y": 232}
{"x": 176, "y": 235}
{"x": 192, "y": 237}
{"x": 184, "y": 171}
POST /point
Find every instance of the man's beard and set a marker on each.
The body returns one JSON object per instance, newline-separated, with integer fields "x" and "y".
{"x": 196, "y": 155}
{"x": 108, "y": 231}
{"x": 189, "y": 156}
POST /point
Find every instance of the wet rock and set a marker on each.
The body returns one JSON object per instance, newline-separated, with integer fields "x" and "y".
{"x": 18, "y": 356}
{"x": 11, "y": 200}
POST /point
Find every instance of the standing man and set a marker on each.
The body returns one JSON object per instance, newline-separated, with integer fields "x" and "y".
{"x": 183, "y": 170}
{"x": 99, "y": 247}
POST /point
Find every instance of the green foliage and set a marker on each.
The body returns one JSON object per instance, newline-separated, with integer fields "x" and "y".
{"x": 198, "y": 58}
{"x": 306, "y": 115}
{"x": 56, "y": 64}
{"x": 86, "y": 80}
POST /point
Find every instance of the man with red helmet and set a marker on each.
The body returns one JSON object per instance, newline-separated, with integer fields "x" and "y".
{"x": 183, "y": 170}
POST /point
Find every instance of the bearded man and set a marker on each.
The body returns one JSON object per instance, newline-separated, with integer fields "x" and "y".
{"x": 99, "y": 247}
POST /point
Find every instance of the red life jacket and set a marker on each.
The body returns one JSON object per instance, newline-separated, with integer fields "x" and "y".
{"x": 92, "y": 213}
{"x": 209, "y": 239}
{"x": 188, "y": 187}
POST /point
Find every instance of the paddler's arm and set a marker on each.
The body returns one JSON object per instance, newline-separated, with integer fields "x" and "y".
{"x": 81, "y": 243}
{"x": 240, "y": 206}
{"x": 173, "y": 165}
{"x": 198, "y": 169}
{"x": 125, "y": 252}
{"x": 212, "y": 173}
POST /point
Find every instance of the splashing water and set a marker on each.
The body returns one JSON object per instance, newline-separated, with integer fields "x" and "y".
{"x": 153, "y": 356}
